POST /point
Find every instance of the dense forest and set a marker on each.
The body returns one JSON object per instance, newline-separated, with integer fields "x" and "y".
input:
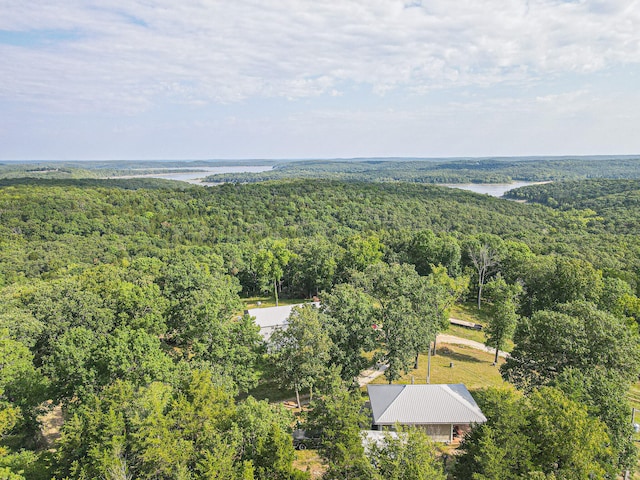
{"x": 485, "y": 170}
{"x": 121, "y": 311}
{"x": 615, "y": 202}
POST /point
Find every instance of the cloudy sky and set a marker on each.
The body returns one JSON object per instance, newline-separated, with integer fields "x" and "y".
{"x": 206, "y": 79}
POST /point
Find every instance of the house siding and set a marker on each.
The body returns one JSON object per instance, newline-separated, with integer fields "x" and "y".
{"x": 438, "y": 433}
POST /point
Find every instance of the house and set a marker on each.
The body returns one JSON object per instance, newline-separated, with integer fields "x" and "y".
{"x": 444, "y": 412}
{"x": 270, "y": 318}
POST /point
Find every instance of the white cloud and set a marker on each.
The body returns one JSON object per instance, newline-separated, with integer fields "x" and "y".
{"x": 129, "y": 55}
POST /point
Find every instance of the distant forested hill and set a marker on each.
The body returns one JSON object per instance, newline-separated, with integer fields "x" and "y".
{"x": 488, "y": 170}
{"x": 616, "y": 202}
{"x": 114, "y": 168}
{"x": 414, "y": 170}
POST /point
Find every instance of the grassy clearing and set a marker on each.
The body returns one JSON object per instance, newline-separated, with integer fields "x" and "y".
{"x": 634, "y": 399}
{"x": 471, "y": 367}
{"x": 269, "y": 389}
{"x": 475, "y": 335}
{"x": 272, "y": 391}
{"x": 309, "y": 461}
{"x": 467, "y": 333}
{"x": 469, "y": 312}
{"x": 252, "y": 302}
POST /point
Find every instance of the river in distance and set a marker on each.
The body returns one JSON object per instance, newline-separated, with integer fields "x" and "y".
{"x": 493, "y": 189}
{"x": 197, "y": 177}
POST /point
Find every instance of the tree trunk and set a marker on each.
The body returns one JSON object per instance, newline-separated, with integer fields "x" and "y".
{"x": 310, "y": 393}
{"x": 298, "y": 397}
{"x": 415, "y": 365}
{"x": 435, "y": 344}
{"x": 495, "y": 360}
{"x": 275, "y": 290}
{"x": 479, "y": 294}
{"x": 429, "y": 365}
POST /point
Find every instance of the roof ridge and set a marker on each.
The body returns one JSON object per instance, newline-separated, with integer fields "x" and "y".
{"x": 406, "y": 404}
{"x": 391, "y": 402}
{"x": 460, "y": 399}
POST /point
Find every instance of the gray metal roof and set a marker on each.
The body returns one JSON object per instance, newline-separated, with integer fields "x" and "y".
{"x": 270, "y": 318}
{"x": 423, "y": 404}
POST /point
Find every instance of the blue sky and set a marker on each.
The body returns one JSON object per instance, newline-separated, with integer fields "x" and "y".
{"x": 207, "y": 79}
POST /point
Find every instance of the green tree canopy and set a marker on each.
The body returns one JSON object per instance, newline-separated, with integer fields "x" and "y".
{"x": 299, "y": 353}
{"x": 314, "y": 267}
{"x": 269, "y": 263}
{"x": 337, "y": 412}
{"x": 542, "y": 435}
{"x": 411, "y": 455}
{"x": 349, "y": 319}
{"x": 589, "y": 354}
{"x": 199, "y": 298}
{"x": 502, "y": 313}
{"x": 425, "y": 249}
{"x": 408, "y": 311}
{"x": 558, "y": 280}
{"x": 360, "y": 252}
{"x": 194, "y": 431}
{"x": 576, "y": 335}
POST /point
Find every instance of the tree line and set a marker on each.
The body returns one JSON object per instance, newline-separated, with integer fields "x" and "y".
{"x": 477, "y": 170}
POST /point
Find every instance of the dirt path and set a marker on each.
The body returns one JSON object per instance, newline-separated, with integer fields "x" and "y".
{"x": 368, "y": 375}
{"x": 452, "y": 339}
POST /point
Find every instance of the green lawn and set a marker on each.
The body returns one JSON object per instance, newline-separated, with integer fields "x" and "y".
{"x": 309, "y": 461}
{"x": 252, "y": 302}
{"x": 634, "y": 399}
{"x": 272, "y": 391}
{"x": 471, "y": 367}
{"x": 469, "y": 313}
{"x": 467, "y": 333}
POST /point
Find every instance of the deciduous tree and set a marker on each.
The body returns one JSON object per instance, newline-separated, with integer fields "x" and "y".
{"x": 542, "y": 435}
{"x": 300, "y": 352}
{"x": 350, "y": 323}
{"x": 409, "y": 311}
{"x": 577, "y": 335}
{"x": 269, "y": 263}
{"x": 484, "y": 259}
{"x": 503, "y": 316}
{"x": 410, "y": 455}
{"x": 337, "y": 413}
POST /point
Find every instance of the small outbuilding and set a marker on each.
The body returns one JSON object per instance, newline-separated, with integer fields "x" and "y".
{"x": 445, "y": 412}
{"x": 270, "y": 318}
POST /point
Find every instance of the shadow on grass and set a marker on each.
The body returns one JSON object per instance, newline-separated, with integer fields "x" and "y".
{"x": 269, "y": 390}
{"x": 457, "y": 356}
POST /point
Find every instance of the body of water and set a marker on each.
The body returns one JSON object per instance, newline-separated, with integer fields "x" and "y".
{"x": 493, "y": 189}
{"x": 196, "y": 177}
